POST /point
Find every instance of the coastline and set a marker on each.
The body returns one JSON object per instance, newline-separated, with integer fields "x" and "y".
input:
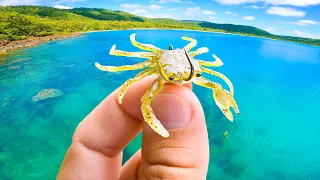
{"x": 207, "y": 31}
{"x": 8, "y": 46}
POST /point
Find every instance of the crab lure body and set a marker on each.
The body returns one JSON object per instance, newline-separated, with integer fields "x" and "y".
{"x": 177, "y": 66}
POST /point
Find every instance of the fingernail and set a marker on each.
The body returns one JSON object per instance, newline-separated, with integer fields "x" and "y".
{"x": 173, "y": 111}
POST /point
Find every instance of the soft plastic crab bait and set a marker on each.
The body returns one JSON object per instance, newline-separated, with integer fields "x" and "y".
{"x": 176, "y": 66}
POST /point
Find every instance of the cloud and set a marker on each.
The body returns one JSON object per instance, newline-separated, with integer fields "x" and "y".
{"x": 165, "y": 16}
{"x": 308, "y": 22}
{"x": 136, "y": 9}
{"x": 148, "y": 15}
{"x": 304, "y": 34}
{"x": 130, "y": 6}
{"x": 234, "y": 2}
{"x": 32, "y": 2}
{"x": 299, "y": 3}
{"x": 206, "y": 12}
{"x": 272, "y": 29}
{"x": 139, "y": 11}
{"x": 193, "y": 11}
{"x": 172, "y": 9}
{"x": 253, "y": 7}
{"x": 18, "y": 2}
{"x": 288, "y": 12}
{"x": 197, "y": 10}
{"x": 211, "y": 19}
{"x": 155, "y": 7}
{"x": 231, "y": 13}
{"x": 62, "y": 7}
{"x": 68, "y": 1}
{"x": 249, "y": 18}
{"x": 169, "y": 1}
{"x": 71, "y": 1}
{"x": 135, "y": 6}
{"x": 304, "y": 22}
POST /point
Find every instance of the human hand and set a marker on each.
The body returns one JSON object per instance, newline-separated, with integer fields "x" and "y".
{"x": 98, "y": 142}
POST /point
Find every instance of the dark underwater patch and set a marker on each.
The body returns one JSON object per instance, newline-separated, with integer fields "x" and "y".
{"x": 1, "y": 166}
{"x": 2, "y": 174}
{"x": 224, "y": 157}
{"x": 216, "y": 141}
{"x": 233, "y": 169}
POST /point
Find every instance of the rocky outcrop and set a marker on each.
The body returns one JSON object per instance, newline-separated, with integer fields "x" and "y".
{"x": 46, "y": 94}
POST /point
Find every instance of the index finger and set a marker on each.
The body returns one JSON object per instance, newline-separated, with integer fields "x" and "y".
{"x": 95, "y": 152}
{"x": 99, "y": 139}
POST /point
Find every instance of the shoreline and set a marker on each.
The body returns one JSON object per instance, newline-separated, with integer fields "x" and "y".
{"x": 215, "y": 32}
{"x": 8, "y": 46}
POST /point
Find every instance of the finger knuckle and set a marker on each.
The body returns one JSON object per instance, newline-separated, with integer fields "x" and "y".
{"x": 181, "y": 157}
{"x": 162, "y": 172}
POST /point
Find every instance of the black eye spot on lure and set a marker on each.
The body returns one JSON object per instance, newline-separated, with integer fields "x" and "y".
{"x": 191, "y": 66}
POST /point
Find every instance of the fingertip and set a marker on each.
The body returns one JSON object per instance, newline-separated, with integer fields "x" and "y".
{"x": 180, "y": 112}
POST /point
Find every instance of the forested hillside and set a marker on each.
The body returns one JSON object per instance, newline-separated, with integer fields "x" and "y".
{"x": 21, "y": 22}
{"x": 104, "y": 14}
{"x": 234, "y": 29}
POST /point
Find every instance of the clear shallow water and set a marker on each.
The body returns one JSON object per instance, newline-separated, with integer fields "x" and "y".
{"x": 277, "y": 88}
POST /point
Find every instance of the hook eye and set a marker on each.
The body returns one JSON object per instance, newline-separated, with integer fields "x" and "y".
{"x": 170, "y": 47}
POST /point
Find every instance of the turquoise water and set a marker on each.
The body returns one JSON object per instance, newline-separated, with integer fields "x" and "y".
{"x": 277, "y": 87}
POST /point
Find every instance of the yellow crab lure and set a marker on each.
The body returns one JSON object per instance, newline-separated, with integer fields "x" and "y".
{"x": 177, "y": 66}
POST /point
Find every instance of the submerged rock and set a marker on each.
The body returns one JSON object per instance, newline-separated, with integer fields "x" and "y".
{"x": 46, "y": 94}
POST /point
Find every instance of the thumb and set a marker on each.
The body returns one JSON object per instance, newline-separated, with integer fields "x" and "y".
{"x": 185, "y": 154}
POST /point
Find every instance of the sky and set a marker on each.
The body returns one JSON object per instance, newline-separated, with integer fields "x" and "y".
{"x": 283, "y": 17}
